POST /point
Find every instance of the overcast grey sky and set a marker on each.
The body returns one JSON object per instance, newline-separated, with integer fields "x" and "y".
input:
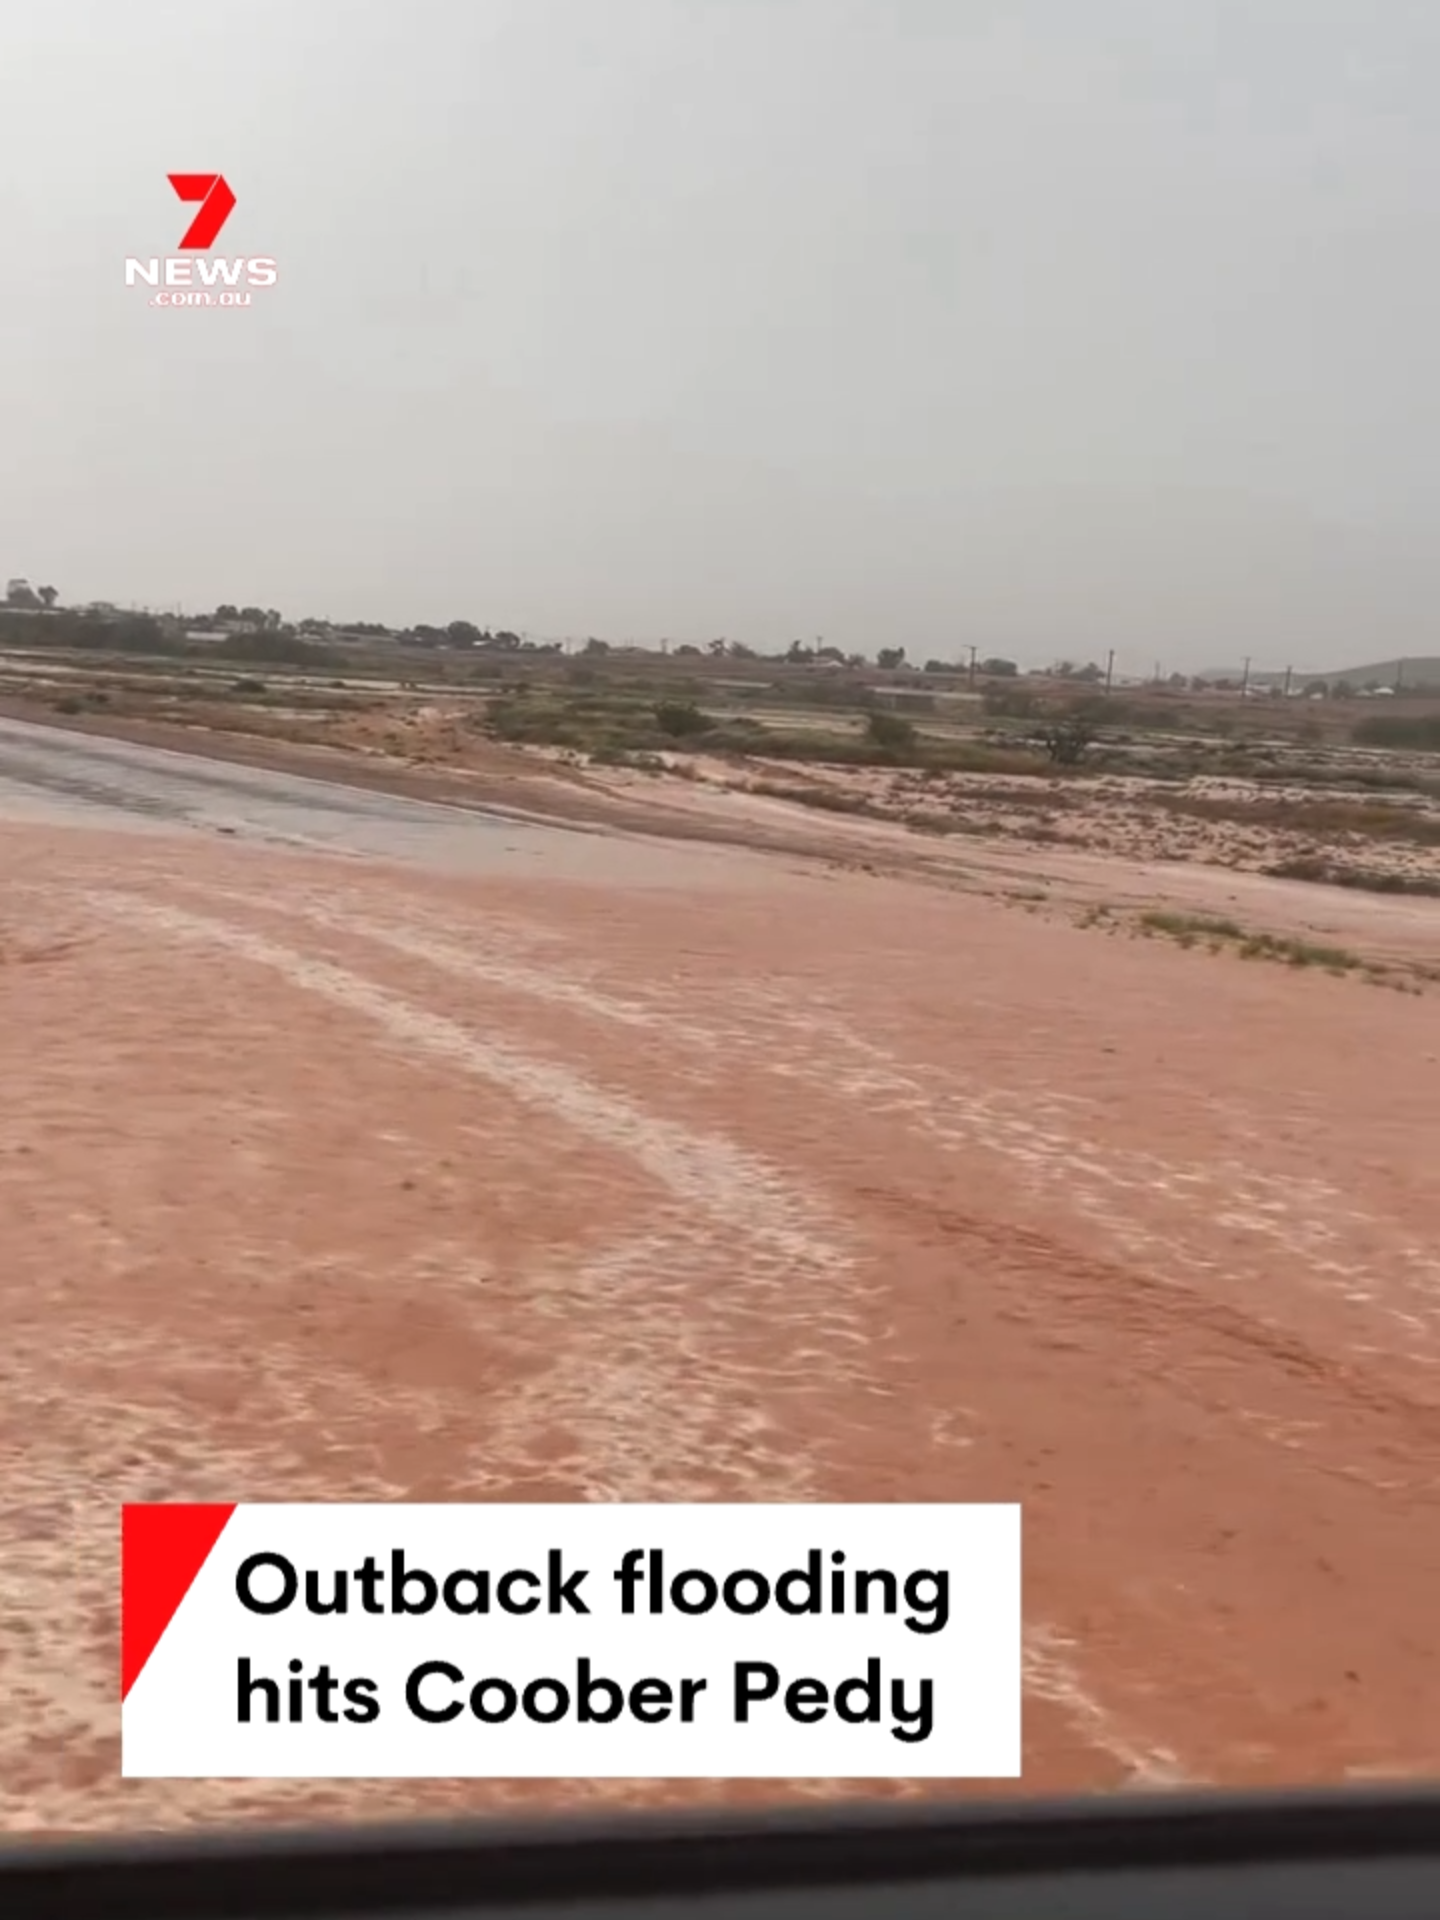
{"x": 1050, "y": 325}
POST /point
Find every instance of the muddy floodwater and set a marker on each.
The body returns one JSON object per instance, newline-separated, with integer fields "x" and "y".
{"x": 362, "y": 1147}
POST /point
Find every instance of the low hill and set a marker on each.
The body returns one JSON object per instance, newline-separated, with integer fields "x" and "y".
{"x": 1414, "y": 676}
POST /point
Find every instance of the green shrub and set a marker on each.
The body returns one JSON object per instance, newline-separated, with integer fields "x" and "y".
{"x": 680, "y": 719}
{"x": 891, "y": 732}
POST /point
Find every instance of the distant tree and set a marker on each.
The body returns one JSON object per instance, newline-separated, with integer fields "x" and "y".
{"x": 227, "y": 612}
{"x": 20, "y": 593}
{"x": 1000, "y": 669}
{"x": 799, "y": 654}
{"x": 716, "y": 649}
{"x": 279, "y": 649}
{"x": 889, "y": 659}
{"x": 592, "y": 645}
{"x": 48, "y": 596}
{"x": 463, "y": 633}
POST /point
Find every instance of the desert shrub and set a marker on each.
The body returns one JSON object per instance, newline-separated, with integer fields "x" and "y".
{"x": 681, "y": 719}
{"x": 1067, "y": 740}
{"x": 891, "y": 732}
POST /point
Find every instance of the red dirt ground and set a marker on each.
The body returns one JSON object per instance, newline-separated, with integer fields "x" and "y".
{"x": 320, "y": 1179}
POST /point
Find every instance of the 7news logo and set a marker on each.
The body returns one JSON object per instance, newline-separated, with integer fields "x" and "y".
{"x": 184, "y": 280}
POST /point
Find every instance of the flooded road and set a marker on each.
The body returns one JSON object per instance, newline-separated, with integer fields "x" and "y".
{"x": 365, "y": 1148}
{"x": 52, "y": 777}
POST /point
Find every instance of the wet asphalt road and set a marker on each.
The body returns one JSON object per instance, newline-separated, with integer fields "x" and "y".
{"x": 65, "y": 779}
{"x": 52, "y": 777}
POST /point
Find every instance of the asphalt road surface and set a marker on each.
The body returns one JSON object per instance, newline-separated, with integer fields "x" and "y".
{"x": 49, "y": 776}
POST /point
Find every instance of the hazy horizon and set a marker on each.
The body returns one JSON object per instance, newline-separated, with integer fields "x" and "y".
{"x": 1044, "y": 329}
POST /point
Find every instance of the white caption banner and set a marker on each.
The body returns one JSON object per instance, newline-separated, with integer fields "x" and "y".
{"x": 541, "y": 1642}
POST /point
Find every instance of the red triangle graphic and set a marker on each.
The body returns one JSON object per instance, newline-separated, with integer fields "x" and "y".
{"x": 162, "y": 1548}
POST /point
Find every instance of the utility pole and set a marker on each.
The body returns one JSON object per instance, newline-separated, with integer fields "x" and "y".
{"x": 972, "y": 667}
{"x": 1245, "y": 679}
{"x": 1288, "y": 672}
{"x": 1109, "y": 670}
